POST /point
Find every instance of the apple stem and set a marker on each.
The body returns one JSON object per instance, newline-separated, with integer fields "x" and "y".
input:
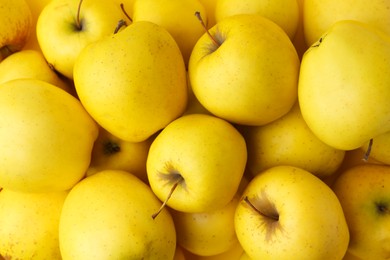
{"x": 121, "y": 23}
{"x": 199, "y": 16}
{"x": 175, "y": 184}
{"x": 78, "y": 22}
{"x": 274, "y": 217}
{"x": 368, "y": 152}
{"x": 126, "y": 14}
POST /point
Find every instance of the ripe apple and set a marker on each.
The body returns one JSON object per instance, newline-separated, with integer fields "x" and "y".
{"x": 30, "y": 64}
{"x": 108, "y": 216}
{"x": 29, "y": 224}
{"x": 15, "y": 26}
{"x": 234, "y": 253}
{"x": 287, "y": 211}
{"x": 246, "y": 72}
{"x": 111, "y": 153}
{"x": 65, "y": 27}
{"x": 46, "y": 137}
{"x": 210, "y": 6}
{"x": 285, "y": 13}
{"x": 320, "y": 15}
{"x": 363, "y": 192}
{"x": 379, "y": 148}
{"x": 196, "y": 163}
{"x": 207, "y": 233}
{"x": 343, "y": 89}
{"x": 177, "y": 17}
{"x": 134, "y": 82}
{"x": 36, "y": 7}
{"x": 289, "y": 141}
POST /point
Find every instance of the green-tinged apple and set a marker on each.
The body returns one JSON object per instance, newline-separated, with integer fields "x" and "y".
{"x": 343, "y": 85}
{"x": 15, "y": 26}
{"x": 108, "y": 216}
{"x": 30, "y": 64}
{"x": 320, "y": 15}
{"x": 379, "y": 149}
{"x": 287, "y": 211}
{"x": 177, "y": 17}
{"x": 363, "y": 192}
{"x": 245, "y": 70}
{"x": 284, "y": 13}
{"x": 207, "y": 233}
{"x": 196, "y": 163}
{"x": 29, "y": 224}
{"x": 46, "y": 137}
{"x": 65, "y": 27}
{"x": 111, "y": 153}
{"x": 289, "y": 141}
{"x": 134, "y": 82}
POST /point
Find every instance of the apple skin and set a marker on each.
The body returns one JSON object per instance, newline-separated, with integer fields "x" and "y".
{"x": 177, "y": 17}
{"x": 335, "y": 91}
{"x": 15, "y": 26}
{"x": 108, "y": 216}
{"x": 31, "y": 64}
{"x": 29, "y": 224}
{"x": 300, "y": 216}
{"x": 207, "y": 233}
{"x": 46, "y": 136}
{"x": 111, "y": 153}
{"x": 363, "y": 191}
{"x": 59, "y": 37}
{"x": 205, "y": 155}
{"x": 240, "y": 81}
{"x": 133, "y": 98}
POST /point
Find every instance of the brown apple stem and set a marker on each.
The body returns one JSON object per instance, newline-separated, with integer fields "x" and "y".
{"x": 199, "y": 16}
{"x": 272, "y": 216}
{"x": 121, "y": 23}
{"x": 78, "y": 22}
{"x": 368, "y": 151}
{"x": 175, "y": 184}
{"x": 126, "y": 14}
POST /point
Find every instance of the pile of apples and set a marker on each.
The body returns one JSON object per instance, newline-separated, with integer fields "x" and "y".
{"x": 194, "y": 129}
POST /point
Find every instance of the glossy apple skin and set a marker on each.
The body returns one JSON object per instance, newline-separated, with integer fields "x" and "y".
{"x": 363, "y": 191}
{"x": 310, "y": 221}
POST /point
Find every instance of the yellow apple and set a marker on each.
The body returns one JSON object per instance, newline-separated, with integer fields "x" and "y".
{"x": 207, "y": 233}
{"x": 30, "y": 64}
{"x": 46, "y": 136}
{"x": 299, "y": 38}
{"x": 287, "y": 211}
{"x": 289, "y": 141}
{"x": 177, "y": 17}
{"x": 65, "y": 27}
{"x": 233, "y": 253}
{"x": 36, "y": 7}
{"x": 133, "y": 83}
{"x": 249, "y": 75}
{"x": 210, "y": 6}
{"x": 203, "y": 157}
{"x": 380, "y": 148}
{"x": 108, "y": 216}
{"x": 343, "y": 88}
{"x": 285, "y": 13}
{"x": 363, "y": 192}
{"x": 320, "y": 15}
{"x": 29, "y": 224}
{"x": 111, "y": 153}
{"x": 15, "y": 26}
